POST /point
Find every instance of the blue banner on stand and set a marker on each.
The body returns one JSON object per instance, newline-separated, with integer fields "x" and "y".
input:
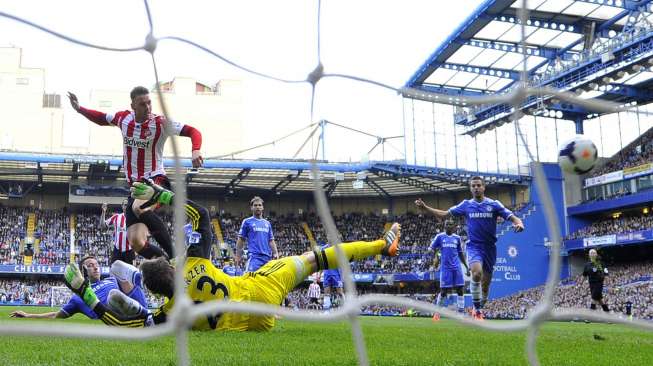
{"x": 40, "y": 269}
{"x": 633, "y": 237}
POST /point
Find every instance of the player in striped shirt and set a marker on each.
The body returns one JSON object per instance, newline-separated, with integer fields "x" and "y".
{"x": 144, "y": 135}
{"x": 118, "y": 222}
{"x": 314, "y": 292}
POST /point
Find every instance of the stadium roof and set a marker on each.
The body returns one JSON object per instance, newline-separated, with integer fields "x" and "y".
{"x": 385, "y": 179}
{"x": 563, "y": 41}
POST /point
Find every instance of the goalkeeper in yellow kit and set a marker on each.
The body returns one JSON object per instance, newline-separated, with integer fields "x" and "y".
{"x": 204, "y": 282}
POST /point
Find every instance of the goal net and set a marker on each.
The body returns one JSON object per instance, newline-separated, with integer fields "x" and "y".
{"x": 185, "y": 312}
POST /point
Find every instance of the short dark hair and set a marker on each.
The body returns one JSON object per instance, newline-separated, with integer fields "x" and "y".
{"x": 159, "y": 276}
{"x": 85, "y": 258}
{"x": 476, "y": 177}
{"x": 138, "y": 91}
{"x": 254, "y": 199}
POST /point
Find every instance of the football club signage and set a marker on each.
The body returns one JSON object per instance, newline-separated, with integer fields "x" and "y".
{"x": 638, "y": 170}
{"x": 605, "y": 178}
{"x": 635, "y": 237}
{"x": 40, "y": 269}
{"x": 600, "y": 240}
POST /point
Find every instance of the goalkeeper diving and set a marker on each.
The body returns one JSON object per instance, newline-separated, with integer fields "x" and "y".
{"x": 204, "y": 282}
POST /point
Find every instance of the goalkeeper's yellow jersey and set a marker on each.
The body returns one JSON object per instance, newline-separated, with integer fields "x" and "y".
{"x": 205, "y": 282}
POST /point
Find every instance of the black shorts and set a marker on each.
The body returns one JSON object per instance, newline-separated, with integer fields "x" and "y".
{"x": 127, "y": 257}
{"x": 313, "y": 300}
{"x": 596, "y": 291}
{"x": 130, "y": 216}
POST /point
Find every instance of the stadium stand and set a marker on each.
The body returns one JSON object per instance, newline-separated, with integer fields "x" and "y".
{"x": 636, "y": 153}
{"x": 613, "y": 226}
{"x": 627, "y": 282}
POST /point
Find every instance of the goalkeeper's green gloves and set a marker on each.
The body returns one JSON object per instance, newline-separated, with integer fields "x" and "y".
{"x": 150, "y": 192}
{"x": 78, "y": 284}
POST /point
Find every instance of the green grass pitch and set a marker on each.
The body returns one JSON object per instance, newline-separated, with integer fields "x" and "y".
{"x": 390, "y": 341}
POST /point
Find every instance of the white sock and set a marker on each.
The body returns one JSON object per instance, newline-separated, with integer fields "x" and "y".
{"x": 475, "y": 289}
{"x": 461, "y": 303}
{"x": 124, "y": 272}
{"x": 326, "y": 305}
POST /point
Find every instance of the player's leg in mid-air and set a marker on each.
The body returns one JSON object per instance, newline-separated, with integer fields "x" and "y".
{"x": 142, "y": 221}
{"x": 277, "y": 278}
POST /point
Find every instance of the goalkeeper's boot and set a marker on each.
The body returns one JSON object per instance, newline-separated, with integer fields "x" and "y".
{"x": 78, "y": 284}
{"x": 391, "y": 238}
{"x": 151, "y": 192}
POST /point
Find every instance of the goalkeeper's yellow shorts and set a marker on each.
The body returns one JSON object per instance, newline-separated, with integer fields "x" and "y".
{"x": 270, "y": 284}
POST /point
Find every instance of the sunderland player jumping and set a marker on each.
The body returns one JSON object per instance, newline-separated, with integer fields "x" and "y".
{"x": 125, "y": 281}
{"x": 257, "y": 232}
{"x": 118, "y": 222}
{"x": 270, "y": 284}
{"x": 480, "y": 215}
{"x": 449, "y": 245}
{"x": 144, "y": 135}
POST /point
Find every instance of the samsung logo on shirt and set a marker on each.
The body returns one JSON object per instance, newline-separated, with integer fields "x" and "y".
{"x": 263, "y": 229}
{"x": 450, "y": 245}
{"x": 134, "y": 142}
{"x": 481, "y": 215}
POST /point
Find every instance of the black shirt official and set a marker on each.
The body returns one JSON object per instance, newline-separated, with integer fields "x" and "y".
{"x": 595, "y": 273}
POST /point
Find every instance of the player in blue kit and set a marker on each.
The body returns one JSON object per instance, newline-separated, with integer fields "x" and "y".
{"x": 480, "y": 215}
{"x": 257, "y": 232}
{"x": 331, "y": 279}
{"x": 450, "y": 247}
{"x": 124, "y": 281}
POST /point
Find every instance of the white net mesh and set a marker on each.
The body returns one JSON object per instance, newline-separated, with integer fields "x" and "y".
{"x": 184, "y": 312}
{"x": 59, "y": 295}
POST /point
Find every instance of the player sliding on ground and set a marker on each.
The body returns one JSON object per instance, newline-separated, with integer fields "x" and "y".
{"x": 204, "y": 282}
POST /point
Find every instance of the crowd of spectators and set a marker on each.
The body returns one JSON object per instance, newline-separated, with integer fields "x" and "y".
{"x": 636, "y": 153}
{"x": 12, "y": 231}
{"x": 53, "y": 230}
{"x": 626, "y": 282}
{"x": 26, "y": 292}
{"x": 622, "y": 224}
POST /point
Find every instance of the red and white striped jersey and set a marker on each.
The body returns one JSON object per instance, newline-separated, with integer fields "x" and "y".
{"x": 142, "y": 143}
{"x": 119, "y": 224}
{"x": 314, "y": 290}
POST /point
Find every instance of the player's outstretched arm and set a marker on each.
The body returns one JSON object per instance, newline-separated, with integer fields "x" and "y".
{"x": 196, "y": 140}
{"x": 96, "y": 117}
{"x": 103, "y": 217}
{"x": 50, "y": 315}
{"x": 517, "y": 223}
{"x": 441, "y": 214}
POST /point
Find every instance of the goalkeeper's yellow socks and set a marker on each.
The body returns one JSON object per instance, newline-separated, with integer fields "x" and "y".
{"x": 389, "y": 245}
